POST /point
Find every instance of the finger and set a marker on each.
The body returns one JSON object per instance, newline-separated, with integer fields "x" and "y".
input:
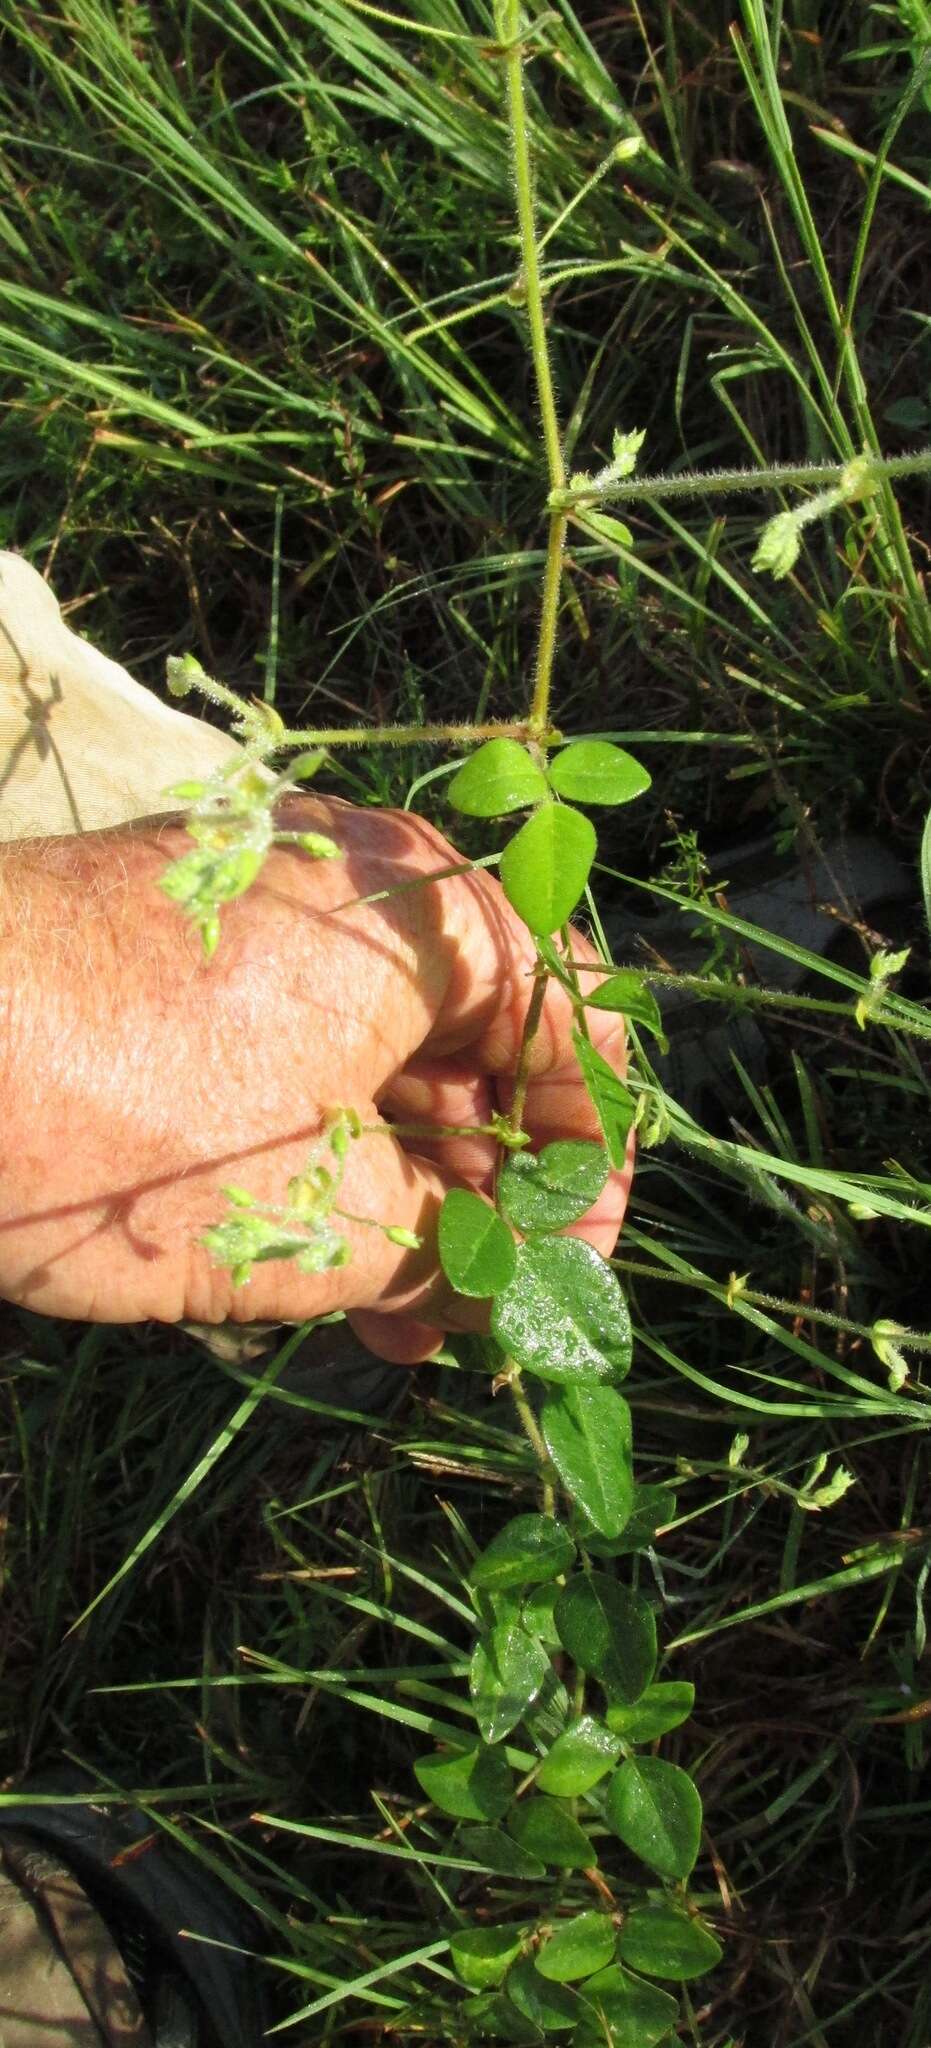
{"x": 399, "y": 1339}
{"x": 601, "y": 1224}
{"x": 558, "y": 1104}
{"x": 382, "y": 1187}
{"x": 397, "y": 1298}
{"x": 488, "y": 993}
{"x": 446, "y": 1092}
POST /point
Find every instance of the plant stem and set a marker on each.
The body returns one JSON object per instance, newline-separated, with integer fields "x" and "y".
{"x": 531, "y": 1429}
{"x": 549, "y": 614}
{"x": 510, "y": 20}
{"x": 462, "y": 734}
{"x": 741, "y": 997}
{"x": 429, "y": 1131}
{"x": 520, "y": 150}
{"x": 531, "y": 1027}
{"x": 692, "y": 484}
{"x": 802, "y": 1311}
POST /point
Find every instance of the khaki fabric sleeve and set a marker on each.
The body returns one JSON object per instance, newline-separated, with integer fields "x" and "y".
{"x": 82, "y": 745}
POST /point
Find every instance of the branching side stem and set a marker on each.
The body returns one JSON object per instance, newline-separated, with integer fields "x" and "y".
{"x": 630, "y": 490}
{"x": 462, "y": 734}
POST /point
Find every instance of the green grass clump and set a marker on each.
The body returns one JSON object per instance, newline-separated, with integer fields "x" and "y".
{"x": 266, "y": 390}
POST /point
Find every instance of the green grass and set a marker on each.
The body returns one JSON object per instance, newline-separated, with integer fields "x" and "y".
{"x": 267, "y": 396}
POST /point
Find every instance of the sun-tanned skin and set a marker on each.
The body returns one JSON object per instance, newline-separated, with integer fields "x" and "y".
{"x": 136, "y": 1079}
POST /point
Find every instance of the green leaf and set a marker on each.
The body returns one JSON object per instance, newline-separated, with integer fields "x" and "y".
{"x": 545, "y": 867}
{"x": 548, "y": 1716}
{"x": 552, "y": 959}
{"x": 476, "y": 1248}
{"x": 499, "y": 1852}
{"x": 580, "y": 1756}
{"x": 610, "y": 529}
{"x": 546, "y": 1190}
{"x": 576, "y": 1948}
{"x": 626, "y": 2011}
{"x": 653, "y": 1507}
{"x": 507, "y": 1670}
{"x": 587, "y": 1431}
{"x": 627, "y": 991}
{"x": 528, "y": 1549}
{"x": 481, "y": 1956}
{"x": 303, "y": 767}
{"x": 910, "y": 413}
{"x": 500, "y": 777}
{"x": 663, "y": 1706}
{"x": 613, "y": 1101}
{"x": 656, "y": 1810}
{"x": 597, "y": 772}
{"x": 664, "y": 1942}
{"x": 609, "y": 1632}
{"x": 490, "y": 2014}
{"x": 550, "y": 1832}
{"x": 563, "y": 1315}
{"x": 472, "y": 1783}
{"x": 925, "y": 863}
{"x": 547, "y": 2006}
{"x": 186, "y": 792}
{"x": 538, "y": 1614}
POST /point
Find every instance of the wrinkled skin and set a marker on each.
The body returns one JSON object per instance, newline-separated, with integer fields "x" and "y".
{"x": 136, "y": 1080}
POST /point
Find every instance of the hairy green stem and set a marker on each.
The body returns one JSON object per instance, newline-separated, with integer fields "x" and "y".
{"x": 728, "y": 1296}
{"x": 700, "y": 483}
{"x": 743, "y": 996}
{"x": 549, "y": 615}
{"x": 531, "y": 1429}
{"x": 782, "y": 999}
{"x": 509, "y": 16}
{"x": 462, "y": 734}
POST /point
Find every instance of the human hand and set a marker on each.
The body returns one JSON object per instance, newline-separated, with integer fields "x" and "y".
{"x": 140, "y": 1079}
